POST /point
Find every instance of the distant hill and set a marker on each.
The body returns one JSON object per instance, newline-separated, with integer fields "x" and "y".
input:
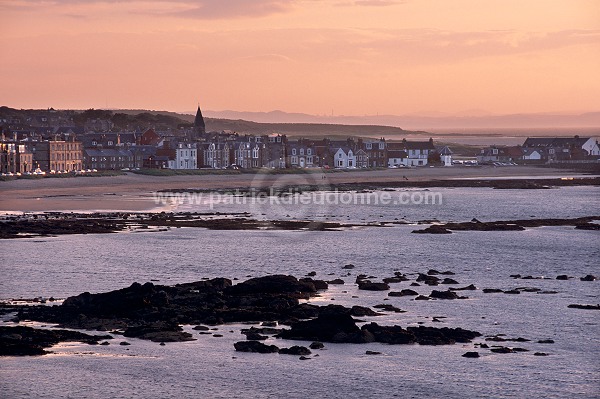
{"x": 423, "y": 122}
{"x": 296, "y": 129}
{"x": 139, "y": 118}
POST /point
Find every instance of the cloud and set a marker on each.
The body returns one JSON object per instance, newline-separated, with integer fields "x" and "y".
{"x": 201, "y": 9}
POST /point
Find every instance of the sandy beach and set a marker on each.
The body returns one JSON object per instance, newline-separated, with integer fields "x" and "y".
{"x": 133, "y": 192}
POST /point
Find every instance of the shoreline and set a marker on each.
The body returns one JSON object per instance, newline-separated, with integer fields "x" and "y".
{"x": 133, "y": 192}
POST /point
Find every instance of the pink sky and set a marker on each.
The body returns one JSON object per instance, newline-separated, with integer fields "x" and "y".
{"x": 311, "y": 56}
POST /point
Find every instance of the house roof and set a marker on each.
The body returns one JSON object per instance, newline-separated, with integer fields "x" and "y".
{"x": 555, "y": 141}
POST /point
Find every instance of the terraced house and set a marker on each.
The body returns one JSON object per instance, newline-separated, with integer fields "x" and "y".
{"x": 58, "y": 155}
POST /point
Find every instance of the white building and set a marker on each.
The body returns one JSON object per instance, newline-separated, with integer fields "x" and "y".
{"x": 344, "y": 158}
{"x": 186, "y": 157}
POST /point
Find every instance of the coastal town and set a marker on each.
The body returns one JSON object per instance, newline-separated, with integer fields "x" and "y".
{"x": 53, "y": 142}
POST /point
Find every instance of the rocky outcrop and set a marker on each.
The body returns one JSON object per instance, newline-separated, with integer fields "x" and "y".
{"x": 341, "y": 328}
{"x": 509, "y": 225}
{"x": 27, "y": 341}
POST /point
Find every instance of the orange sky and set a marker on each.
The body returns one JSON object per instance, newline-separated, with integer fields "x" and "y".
{"x": 313, "y": 56}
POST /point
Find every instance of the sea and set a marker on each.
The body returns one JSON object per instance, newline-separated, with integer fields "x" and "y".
{"x": 380, "y": 243}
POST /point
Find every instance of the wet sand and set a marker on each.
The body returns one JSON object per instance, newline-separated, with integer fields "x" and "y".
{"x": 132, "y": 192}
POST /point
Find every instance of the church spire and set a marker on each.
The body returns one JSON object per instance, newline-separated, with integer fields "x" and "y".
{"x": 199, "y": 122}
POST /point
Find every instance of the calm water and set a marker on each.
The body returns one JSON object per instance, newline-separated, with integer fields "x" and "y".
{"x": 209, "y": 367}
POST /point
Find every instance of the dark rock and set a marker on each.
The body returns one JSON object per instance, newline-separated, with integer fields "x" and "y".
{"x": 433, "y": 272}
{"x": 316, "y": 345}
{"x": 501, "y": 349}
{"x": 255, "y": 346}
{"x": 201, "y": 328}
{"x": 361, "y": 311}
{"x": 471, "y": 354}
{"x": 333, "y": 327}
{"x": 528, "y": 289}
{"x": 389, "y": 308}
{"x": 305, "y": 358}
{"x": 390, "y": 280}
{"x": 261, "y": 330}
{"x": 449, "y": 281}
{"x": 27, "y": 341}
{"x": 422, "y": 335}
{"x": 422, "y": 298}
{"x": 405, "y": 292}
{"x": 512, "y": 292}
{"x": 311, "y": 274}
{"x": 275, "y": 284}
{"x": 585, "y": 307}
{"x": 546, "y": 341}
{"x": 445, "y": 295}
{"x": 562, "y": 277}
{"x": 415, "y": 284}
{"x": 469, "y": 287}
{"x": 520, "y": 350}
{"x": 429, "y": 280}
{"x": 589, "y": 277}
{"x": 369, "y": 286}
{"x": 158, "y": 331}
{"x": 372, "y": 353}
{"x": 348, "y": 266}
{"x": 253, "y": 336}
{"x": 540, "y": 354}
{"x": 269, "y": 324}
{"x": 295, "y": 350}
{"x": 124, "y": 343}
{"x": 337, "y": 281}
{"x": 319, "y": 284}
{"x": 433, "y": 229}
{"x": 588, "y": 226}
{"x": 492, "y": 290}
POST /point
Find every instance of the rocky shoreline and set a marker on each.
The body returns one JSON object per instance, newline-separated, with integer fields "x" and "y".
{"x": 57, "y": 223}
{"x": 158, "y": 312}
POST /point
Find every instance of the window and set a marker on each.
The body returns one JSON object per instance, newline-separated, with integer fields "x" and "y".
{"x": 369, "y": 146}
{"x": 293, "y": 151}
{"x": 308, "y": 151}
{"x": 294, "y": 160}
{"x": 381, "y": 145}
{"x": 301, "y": 151}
